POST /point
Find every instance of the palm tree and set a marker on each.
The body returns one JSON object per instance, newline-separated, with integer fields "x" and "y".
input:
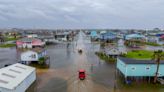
{"x": 157, "y": 56}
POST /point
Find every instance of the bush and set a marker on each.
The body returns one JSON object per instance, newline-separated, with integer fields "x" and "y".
{"x": 42, "y": 60}
{"x": 105, "y": 57}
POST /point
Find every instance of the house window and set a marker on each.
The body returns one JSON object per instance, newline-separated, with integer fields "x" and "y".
{"x": 148, "y": 68}
{"x": 133, "y": 68}
{"x": 33, "y": 56}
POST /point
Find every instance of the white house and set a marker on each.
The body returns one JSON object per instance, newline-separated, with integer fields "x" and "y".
{"x": 113, "y": 52}
{"x": 155, "y": 39}
{"x": 32, "y": 36}
{"x": 16, "y": 78}
{"x": 33, "y": 55}
{"x": 29, "y": 56}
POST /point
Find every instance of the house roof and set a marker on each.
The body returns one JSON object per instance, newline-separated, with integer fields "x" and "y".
{"x": 162, "y": 36}
{"x": 102, "y": 32}
{"x": 135, "y": 36}
{"x": 37, "y": 50}
{"x": 62, "y": 33}
{"x": 93, "y": 33}
{"x": 13, "y": 75}
{"x": 113, "y": 51}
{"x": 135, "y": 61}
{"x": 108, "y": 35}
{"x": 28, "y": 39}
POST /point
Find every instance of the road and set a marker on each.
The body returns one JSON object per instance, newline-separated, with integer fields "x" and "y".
{"x": 82, "y": 62}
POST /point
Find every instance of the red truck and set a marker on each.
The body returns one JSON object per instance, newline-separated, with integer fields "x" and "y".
{"x": 82, "y": 74}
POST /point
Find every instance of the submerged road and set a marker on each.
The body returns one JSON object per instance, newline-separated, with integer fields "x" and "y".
{"x": 62, "y": 76}
{"x": 81, "y": 61}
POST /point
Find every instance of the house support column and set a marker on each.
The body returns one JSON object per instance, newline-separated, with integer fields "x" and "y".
{"x": 149, "y": 79}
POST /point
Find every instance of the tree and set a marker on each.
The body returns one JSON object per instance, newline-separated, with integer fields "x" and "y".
{"x": 157, "y": 56}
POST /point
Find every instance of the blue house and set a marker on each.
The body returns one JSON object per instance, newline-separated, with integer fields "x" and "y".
{"x": 138, "y": 68}
{"x": 93, "y": 34}
{"x": 108, "y": 36}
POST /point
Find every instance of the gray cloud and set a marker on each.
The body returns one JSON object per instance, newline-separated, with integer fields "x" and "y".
{"x": 82, "y": 13}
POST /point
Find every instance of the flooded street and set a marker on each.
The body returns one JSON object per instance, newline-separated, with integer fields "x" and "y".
{"x": 62, "y": 76}
{"x": 7, "y": 56}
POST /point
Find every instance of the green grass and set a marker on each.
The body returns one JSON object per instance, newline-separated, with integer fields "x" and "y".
{"x": 140, "y": 54}
{"x": 11, "y": 39}
{"x": 7, "y": 45}
{"x": 152, "y": 44}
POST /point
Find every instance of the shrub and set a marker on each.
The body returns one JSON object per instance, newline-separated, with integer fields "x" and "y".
{"x": 42, "y": 60}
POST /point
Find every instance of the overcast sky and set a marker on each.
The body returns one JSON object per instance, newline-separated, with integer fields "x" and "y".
{"x": 82, "y": 13}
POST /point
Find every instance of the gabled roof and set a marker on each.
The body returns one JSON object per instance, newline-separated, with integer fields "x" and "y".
{"x": 135, "y": 61}
{"x": 27, "y": 39}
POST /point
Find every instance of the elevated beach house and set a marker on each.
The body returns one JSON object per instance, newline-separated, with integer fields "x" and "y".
{"x": 138, "y": 69}
{"x": 156, "y": 38}
{"x": 32, "y": 55}
{"x": 94, "y": 35}
{"x": 112, "y": 52}
{"x": 62, "y": 35}
{"x": 108, "y": 36}
{"x": 134, "y": 40}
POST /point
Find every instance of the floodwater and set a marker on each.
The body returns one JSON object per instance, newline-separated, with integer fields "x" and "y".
{"x": 62, "y": 76}
{"x": 8, "y": 56}
{"x": 155, "y": 48}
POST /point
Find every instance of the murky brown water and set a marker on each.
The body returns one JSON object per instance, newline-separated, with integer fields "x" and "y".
{"x": 62, "y": 76}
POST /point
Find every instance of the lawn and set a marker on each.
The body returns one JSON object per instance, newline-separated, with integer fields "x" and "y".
{"x": 7, "y": 45}
{"x": 152, "y": 44}
{"x": 140, "y": 54}
{"x": 11, "y": 39}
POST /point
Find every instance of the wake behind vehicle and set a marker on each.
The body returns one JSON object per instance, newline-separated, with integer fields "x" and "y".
{"x": 82, "y": 74}
{"x": 80, "y": 50}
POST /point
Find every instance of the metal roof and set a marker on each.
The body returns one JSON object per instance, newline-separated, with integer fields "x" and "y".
{"x": 134, "y": 36}
{"x": 28, "y": 39}
{"x": 135, "y": 61}
{"x": 13, "y": 75}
